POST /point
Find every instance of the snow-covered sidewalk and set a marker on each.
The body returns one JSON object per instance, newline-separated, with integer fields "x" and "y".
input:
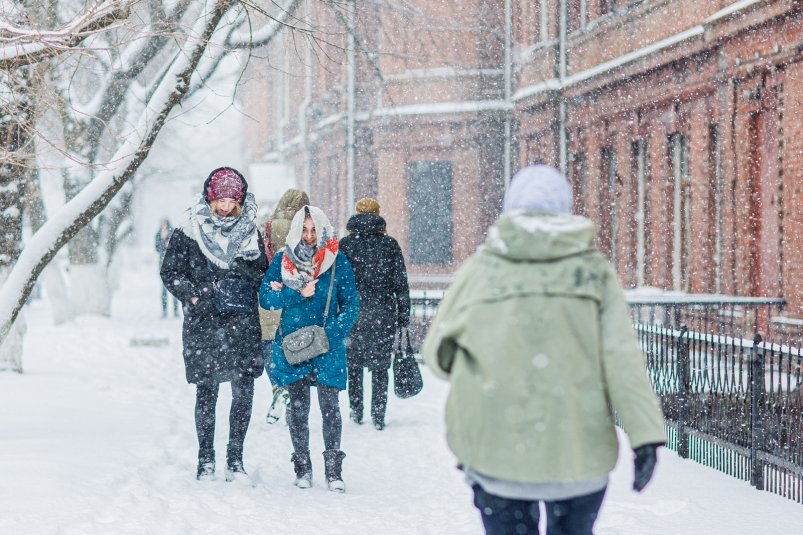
{"x": 97, "y": 438}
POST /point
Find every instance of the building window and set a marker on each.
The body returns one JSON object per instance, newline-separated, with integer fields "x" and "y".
{"x": 681, "y": 210}
{"x": 642, "y": 181}
{"x": 430, "y": 202}
{"x": 715, "y": 204}
{"x": 607, "y": 202}
{"x": 578, "y": 174}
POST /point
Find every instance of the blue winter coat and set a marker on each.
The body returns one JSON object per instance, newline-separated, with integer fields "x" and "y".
{"x": 297, "y": 311}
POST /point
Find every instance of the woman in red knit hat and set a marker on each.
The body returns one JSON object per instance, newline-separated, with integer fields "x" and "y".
{"x": 214, "y": 265}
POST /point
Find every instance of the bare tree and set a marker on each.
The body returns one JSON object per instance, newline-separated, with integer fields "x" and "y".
{"x": 109, "y": 145}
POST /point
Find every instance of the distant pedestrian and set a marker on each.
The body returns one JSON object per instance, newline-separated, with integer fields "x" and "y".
{"x": 275, "y": 235}
{"x": 536, "y": 341}
{"x": 384, "y": 306}
{"x": 299, "y": 282}
{"x": 214, "y": 265}
{"x": 161, "y": 240}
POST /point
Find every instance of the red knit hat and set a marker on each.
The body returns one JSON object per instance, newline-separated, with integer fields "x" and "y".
{"x": 225, "y": 184}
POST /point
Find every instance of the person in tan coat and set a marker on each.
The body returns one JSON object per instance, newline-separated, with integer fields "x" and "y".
{"x": 275, "y": 234}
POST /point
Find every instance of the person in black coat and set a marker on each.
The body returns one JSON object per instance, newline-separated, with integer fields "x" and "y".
{"x": 161, "y": 240}
{"x": 384, "y": 306}
{"x": 219, "y": 241}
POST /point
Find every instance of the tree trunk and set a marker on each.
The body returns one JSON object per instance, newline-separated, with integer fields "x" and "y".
{"x": 77, "y": 214}
{"x": 15, "y": 119}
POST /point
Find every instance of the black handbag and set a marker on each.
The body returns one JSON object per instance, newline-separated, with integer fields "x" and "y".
{"x": 234, "y": 296}
{"x": 407, "y": 380}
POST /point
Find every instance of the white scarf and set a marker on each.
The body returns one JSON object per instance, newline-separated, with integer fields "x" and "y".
{"x": 222, "y": 239}
{"x": 301, "y": 263}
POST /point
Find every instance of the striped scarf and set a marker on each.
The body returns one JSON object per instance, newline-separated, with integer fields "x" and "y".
{"x": 222, "y": 239}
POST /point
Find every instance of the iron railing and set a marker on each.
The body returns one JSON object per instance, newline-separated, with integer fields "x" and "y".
{"x": 732, "y": 399}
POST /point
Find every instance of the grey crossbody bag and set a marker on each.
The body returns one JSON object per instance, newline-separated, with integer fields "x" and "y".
{"x": 310, "y": 341}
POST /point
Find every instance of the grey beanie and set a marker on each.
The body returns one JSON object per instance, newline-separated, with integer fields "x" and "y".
{"x": 539, "y": 187}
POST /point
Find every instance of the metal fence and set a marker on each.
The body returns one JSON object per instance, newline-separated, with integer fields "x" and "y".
{"x": 731, "y": 398}
{"x": 731, "y": 403}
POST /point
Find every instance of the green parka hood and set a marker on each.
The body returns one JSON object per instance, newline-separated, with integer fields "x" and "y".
{"x": 533, "y": 235}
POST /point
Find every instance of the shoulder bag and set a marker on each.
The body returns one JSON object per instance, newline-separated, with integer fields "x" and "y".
{"x": 311, "y": 341}
{"x": 407, "y": 380}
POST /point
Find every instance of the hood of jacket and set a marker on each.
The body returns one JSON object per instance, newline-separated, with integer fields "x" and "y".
{"x": 366, "y": 224}
{"x": 291, "y": 202}
{"x": 533, "y": 235}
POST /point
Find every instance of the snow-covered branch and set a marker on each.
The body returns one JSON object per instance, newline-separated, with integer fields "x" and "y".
{"x": 238, "y": 39}
{"x": 264, "y": 35}
{"x": 22, "y": 46}
{"x": 92, "y": 199}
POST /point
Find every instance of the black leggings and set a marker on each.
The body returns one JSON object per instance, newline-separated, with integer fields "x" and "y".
{"x": 242, "y": 391}
{"x": 379, "y": 391}
{"x": 299, "y": 415}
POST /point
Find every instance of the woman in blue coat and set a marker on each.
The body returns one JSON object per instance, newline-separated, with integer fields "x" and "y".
{"x": 298, "y": 282}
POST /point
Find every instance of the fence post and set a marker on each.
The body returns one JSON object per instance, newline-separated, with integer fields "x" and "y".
{"x": 757, "y": 398}
{"x": 684, "y": 387}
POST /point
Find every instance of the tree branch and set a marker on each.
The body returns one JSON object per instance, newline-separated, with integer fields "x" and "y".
{"x": 26, "y": 46}
{"x": 77, "y": 213}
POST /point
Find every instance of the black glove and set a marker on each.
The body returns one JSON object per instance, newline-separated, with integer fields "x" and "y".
{"x": 644, "y": 461}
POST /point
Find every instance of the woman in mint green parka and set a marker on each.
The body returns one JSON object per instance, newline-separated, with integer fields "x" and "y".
{"x": 535, "y": 340}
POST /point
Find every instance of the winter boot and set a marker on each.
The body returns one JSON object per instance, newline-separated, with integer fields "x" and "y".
{"x": 333, "y": 463}
{"x": 206, "y": 466}
{"x": 235, "y": 471}
{"x": 356, "y": 416}
{"x": 276, "y": 405}
{"x": 379, "y": 423}
{"x": 303, "y": 467}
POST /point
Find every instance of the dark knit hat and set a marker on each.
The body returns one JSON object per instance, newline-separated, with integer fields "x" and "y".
{"x": 366, "y": 205}
{"x": 225, "y": 183}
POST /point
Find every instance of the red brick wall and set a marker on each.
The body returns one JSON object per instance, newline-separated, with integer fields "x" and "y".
{"x": 741, "y": 75}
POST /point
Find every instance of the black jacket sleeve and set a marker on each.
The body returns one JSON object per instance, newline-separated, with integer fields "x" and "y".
{"x": 175, "y": 270}
{"x": 400, "y": 286}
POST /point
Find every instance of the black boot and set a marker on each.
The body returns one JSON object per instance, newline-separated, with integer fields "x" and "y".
{"x": 333, "y": 464}
{"x": 303, "y": 467}
{"x": 206, "y": 466}
{"x": 235, "y": 471}
{"x": 356, "y": 416}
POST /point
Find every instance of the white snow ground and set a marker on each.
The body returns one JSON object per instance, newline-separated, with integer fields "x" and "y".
{"x": 97, "y": 438}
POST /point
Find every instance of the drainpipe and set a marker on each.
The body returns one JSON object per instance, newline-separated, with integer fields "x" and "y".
{"x": 350, "y": 156}
{"x": 562, "y": 108}
{"x": 508, "y": 91}
{"x": 304, "y": 111}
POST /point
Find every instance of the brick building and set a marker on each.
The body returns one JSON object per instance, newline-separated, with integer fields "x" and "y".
{"x": 678, "y": 122}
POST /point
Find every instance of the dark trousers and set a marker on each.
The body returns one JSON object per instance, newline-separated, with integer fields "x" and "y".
{"x": 267, "y": 353}
{"x": 299, "y": 415}
{"x": 164, "y": 302}
{"x": 505, "y": 516}
{"x": 379, "y": 391}
{"x": 242, "y": 391}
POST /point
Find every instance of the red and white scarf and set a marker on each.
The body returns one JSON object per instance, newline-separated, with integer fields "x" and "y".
{"x": 300, "y": 263}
